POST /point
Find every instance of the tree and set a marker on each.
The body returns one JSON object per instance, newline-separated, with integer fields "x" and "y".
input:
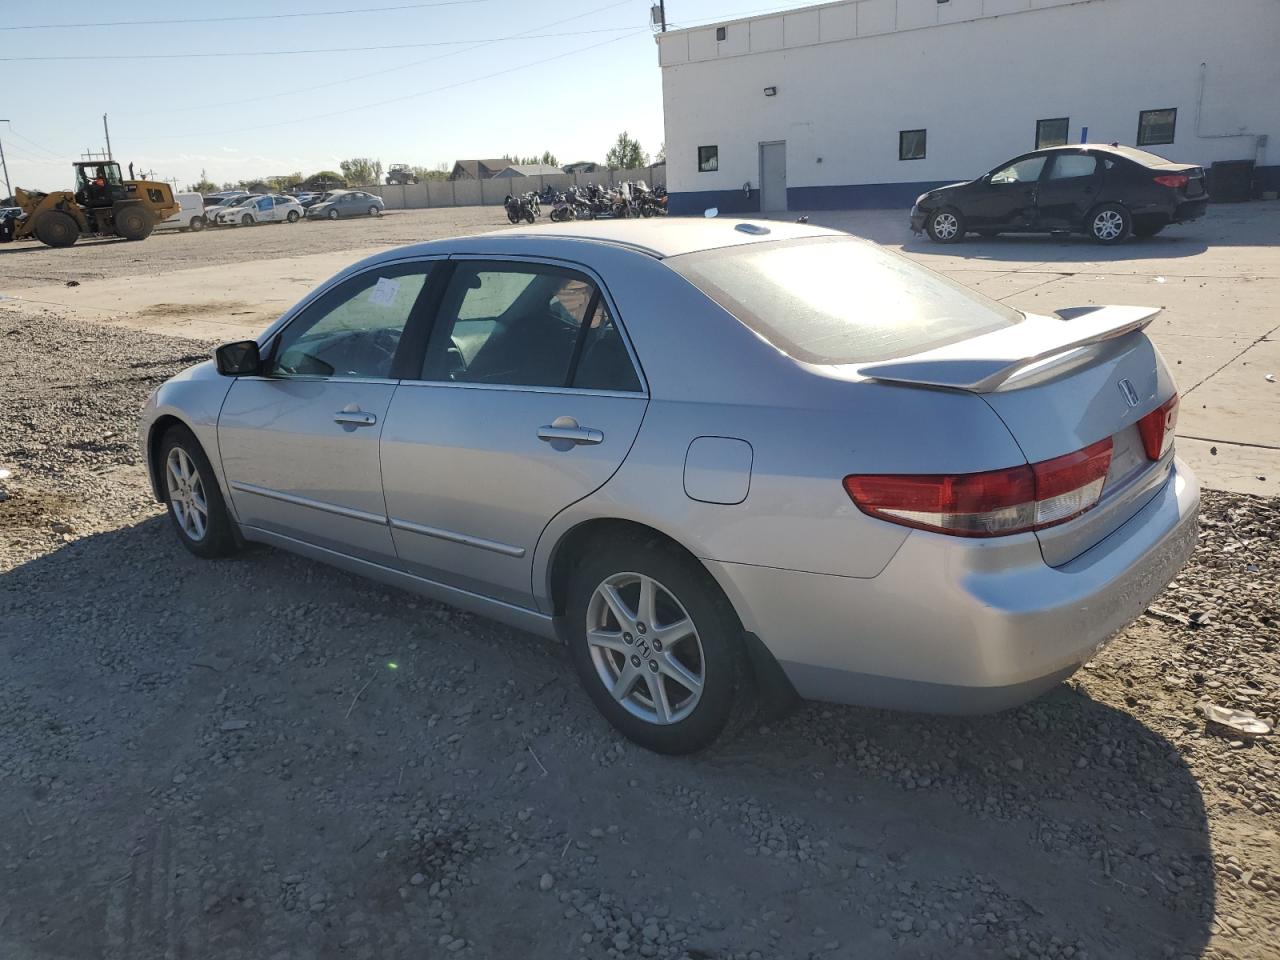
{"x": 429, "y": 173}
{"x": 286, "y": 182}
{"x": 362, "y": 171}
{"x": 661, "y": 156}
{"x": 626, "y": 154}
{"x": 547, "y": 157}
{"x": 203, "y": 185}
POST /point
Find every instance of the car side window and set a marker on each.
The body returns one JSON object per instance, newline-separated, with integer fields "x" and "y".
{"x": 1023, "y": 171}
{"x": 514, "y": 324}
{"x": 1067, "y": 166}
{"x": 604, "y": 363}
{"x": 354, "y": 329}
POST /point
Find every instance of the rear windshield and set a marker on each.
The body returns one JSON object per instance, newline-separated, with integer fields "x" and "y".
{"x": 1145, "y": 158}
{"x": 840, "y": 300}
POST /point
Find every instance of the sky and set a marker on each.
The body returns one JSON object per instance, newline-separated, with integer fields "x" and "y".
{"x": 446, "y": 80}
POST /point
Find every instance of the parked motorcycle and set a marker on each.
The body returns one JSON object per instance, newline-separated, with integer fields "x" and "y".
{"x": 519, "y": 208}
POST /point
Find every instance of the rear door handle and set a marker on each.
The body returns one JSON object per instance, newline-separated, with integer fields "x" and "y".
{"x": 566, "y": 428}
{"x": 355, "y": 418}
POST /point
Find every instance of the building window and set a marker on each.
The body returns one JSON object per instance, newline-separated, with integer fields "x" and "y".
{"x": 1156, "y": 126}
{"x": 708, "y": 159}
{"x": 1051, "y": 133}
{"x": 720, "y": 33}
{"x": 911, "y": 145}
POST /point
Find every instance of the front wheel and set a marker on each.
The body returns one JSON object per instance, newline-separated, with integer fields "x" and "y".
{"x": 334, "y": 214}
{"x": 1110, "y": 223}
{"x": 945, "y": 225}
{"x": 57, "y": 229}
{"x": 656, "y": 644}
{"x": 293, "y": 216}
{"x": 246, "y": 220}
{"x": 528, "y": 215}
{"x": 374, "y": 211}
{"x": 195, "y": 503}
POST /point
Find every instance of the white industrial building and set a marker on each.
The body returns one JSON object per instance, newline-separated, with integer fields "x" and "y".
{"x": 867, "y": 103}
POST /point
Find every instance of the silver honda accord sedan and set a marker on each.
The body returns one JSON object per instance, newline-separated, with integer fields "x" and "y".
{"x": 727, "y": 463}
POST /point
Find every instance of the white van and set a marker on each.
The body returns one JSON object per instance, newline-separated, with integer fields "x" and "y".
{"x": 190, "y": 217}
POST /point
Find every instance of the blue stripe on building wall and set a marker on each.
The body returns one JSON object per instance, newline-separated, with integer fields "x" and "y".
{"x": 855, "y": 196}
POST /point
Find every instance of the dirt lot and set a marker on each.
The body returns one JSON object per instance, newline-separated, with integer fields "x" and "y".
{"x": 265, "y": 759}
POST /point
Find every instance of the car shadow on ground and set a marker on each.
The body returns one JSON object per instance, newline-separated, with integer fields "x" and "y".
{"x": 27, "y": 246}
{"x": 1031, "y": 248}
{"x": 244, "y": 756}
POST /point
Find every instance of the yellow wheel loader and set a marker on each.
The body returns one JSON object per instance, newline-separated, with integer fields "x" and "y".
{"x": 103, "y": 204}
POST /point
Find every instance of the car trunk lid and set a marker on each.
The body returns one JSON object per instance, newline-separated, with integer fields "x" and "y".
{"x": 1060, "y": 384}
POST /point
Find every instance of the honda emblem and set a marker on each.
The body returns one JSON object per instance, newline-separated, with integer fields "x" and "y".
{"x": 1130, "y": 394}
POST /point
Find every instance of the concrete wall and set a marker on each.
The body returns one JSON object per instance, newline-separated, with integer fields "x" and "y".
{"x": 976, "y": 74}
{"x": 473, "y": 193}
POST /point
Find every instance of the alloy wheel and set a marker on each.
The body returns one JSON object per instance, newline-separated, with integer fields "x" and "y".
{"x": 645, "y": 648}
{"x": 945, "y": 225}
{"x": 186, "y": 494}
{"x": 1108, "y": 225}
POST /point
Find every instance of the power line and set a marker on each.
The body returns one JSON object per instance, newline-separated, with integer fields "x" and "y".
{"x": 257, "y": 16}
{"x": 291, "y": 53}
{"x": 28, "y": 140}
{"x": 204, "y": 108}
{"x": 407, "y": 96}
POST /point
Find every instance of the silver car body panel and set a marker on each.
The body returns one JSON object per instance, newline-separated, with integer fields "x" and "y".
{"x": 453, "y": 495}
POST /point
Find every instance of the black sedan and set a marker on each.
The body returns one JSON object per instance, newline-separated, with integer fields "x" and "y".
{"x": 1105, "y": 191}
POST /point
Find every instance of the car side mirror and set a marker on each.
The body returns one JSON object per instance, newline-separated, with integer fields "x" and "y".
{"x": 239, "y": 359}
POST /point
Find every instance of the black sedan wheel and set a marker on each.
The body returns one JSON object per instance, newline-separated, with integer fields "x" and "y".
{"x": 1110, "y": 223}
{"x": 945, "y": 225}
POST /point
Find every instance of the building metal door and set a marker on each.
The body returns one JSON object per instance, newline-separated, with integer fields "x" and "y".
{"x": 773, "y": 175}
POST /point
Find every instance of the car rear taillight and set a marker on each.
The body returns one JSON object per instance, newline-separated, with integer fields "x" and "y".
{"x": 1157, "y": 426}
{"x": 1174, "y": 180}
{"x": 990, "y": 504}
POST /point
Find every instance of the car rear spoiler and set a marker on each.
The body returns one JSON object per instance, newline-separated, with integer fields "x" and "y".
{"x": 982, "y": 364}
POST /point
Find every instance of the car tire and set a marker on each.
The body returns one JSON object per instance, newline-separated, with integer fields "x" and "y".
{"x": 945, "y": 225}
{"x": 132, "y": 221}
{"x": 192, "y": 496}
{"x": 333, "y": 214}
{"x": 710, "y": 653}
{"x": 1109, "y": 223}
{"x": 1147, "y": 227}
{"x": 57, "y": 229}
{"x": 197, "y": 224}
{"x": 293, "y": 216}
{"x": 374, "y": 211}
{"x": 246, "y": 220}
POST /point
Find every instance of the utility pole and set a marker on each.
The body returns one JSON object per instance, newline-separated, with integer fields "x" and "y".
{"x": 108, "y": 134}
{"x": 662, "y": 12}
{"x": 8, "y": 190}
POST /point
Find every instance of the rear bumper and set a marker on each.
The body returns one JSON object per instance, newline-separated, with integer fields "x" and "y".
{"x": 964, "y": 626}
{"x": 1190, "y": 210}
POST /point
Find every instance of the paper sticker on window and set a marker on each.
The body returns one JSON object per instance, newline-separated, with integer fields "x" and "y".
{"x": 384, "y": 292}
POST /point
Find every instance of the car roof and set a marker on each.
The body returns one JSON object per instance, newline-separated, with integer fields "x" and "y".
{"x": 670, "y": 237}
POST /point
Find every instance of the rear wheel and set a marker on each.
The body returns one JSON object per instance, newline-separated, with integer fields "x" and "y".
{"x": 945, "y": 225}
{"x": 197, "y": 224}
{"x": 57, "y": 229}
{"x": 656, "y": 644}
{"x": 1109, "y": 223}
{"x": 195, "y": 503}
{"x": 133, "y": 222}
{"x": 293, "y": 216}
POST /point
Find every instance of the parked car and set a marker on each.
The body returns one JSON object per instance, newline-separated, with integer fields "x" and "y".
{"x": 191, "y": 216}
{"x": 215, "y": 205}
{"x": 273, "y": 208}
{"x": 710, "y": 457}
{"x": 1105, "y": 192}
{"x": 347, "y": 203}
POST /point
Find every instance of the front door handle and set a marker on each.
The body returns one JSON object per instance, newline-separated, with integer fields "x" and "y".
{"x": 355, "y": 418}
{"x": 567, "y": 429}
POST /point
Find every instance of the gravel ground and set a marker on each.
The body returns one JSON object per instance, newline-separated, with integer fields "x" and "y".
{"x": 264, "y": 759}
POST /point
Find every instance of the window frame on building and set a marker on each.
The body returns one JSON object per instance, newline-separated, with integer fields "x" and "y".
{"x": 1066, "y": 132}
{"x": 712, "y": 158}
{"x": 924, "y": 144}
{"x": 1143, "y": 138}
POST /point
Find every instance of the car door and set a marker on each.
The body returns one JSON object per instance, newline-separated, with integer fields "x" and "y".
{"x": 299, "y": 444}
{"x": 1069, "y": 187}
{"x": 528, "y": 400}
{"x": 1006, "y": 197}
